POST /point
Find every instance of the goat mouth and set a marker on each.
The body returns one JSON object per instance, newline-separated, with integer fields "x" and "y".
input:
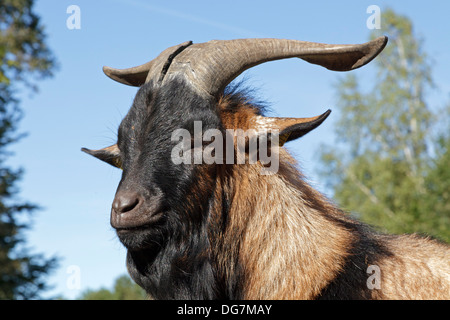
{"x": 143, "y": 236}
{"x": 148, "y": 224}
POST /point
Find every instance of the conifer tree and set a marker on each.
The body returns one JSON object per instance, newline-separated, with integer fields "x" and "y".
{"x": 24, "y": 57}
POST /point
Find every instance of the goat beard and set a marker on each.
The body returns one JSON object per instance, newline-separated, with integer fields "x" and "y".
{"x": 167, "y": 266}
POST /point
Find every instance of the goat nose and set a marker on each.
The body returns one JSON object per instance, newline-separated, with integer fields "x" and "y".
{"x": 125, "y": 202}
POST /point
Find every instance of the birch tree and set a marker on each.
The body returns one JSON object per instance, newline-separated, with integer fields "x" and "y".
{"x": 379, "y": 165}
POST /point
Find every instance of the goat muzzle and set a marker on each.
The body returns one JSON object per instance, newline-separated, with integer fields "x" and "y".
{"x": 130, "y": 210}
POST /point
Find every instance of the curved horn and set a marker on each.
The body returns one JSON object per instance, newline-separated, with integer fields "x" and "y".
{"x": 211, "y": 66}
{"x": 137, "y": 76}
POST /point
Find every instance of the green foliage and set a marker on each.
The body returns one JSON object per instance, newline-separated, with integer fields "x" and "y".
{"x": 384, "y": 172}
{"x": 23, "y": 54}
{"x": 437, "y": 182}
{"x": 124, "y": 289}
{"x": 23, "y": 51}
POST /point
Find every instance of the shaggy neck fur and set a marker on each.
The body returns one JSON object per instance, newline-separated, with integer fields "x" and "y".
{"x": 282, "y": 247}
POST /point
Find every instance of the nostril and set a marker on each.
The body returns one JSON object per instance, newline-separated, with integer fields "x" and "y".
{"x": 125, "y": 202}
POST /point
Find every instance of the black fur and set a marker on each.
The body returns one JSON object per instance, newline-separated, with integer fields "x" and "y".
{"x": 170, "y": 260}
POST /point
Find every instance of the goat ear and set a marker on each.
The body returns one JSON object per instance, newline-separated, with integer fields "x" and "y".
{"x": 290, "y": 128}
{"x": 109, "y": 154}
{"x": 302, "y": 127}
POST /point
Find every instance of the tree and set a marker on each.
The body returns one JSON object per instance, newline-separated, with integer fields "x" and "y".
{"x": 437, "y": 182}
{"x": 124, "y": 289}
{"x": 382, "y": 173}
{"x": 23, "y": 56}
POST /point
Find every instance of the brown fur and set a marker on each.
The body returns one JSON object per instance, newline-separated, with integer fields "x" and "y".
{"x": 284, "y": 240}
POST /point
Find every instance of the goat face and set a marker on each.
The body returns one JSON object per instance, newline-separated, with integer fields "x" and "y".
{"x": 157, "y": 198}
{"x": 153, "y": 189}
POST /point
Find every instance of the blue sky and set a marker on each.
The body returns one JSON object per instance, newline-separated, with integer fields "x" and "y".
{"x": 80, "y": 107}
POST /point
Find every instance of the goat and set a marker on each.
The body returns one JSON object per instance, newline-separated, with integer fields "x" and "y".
{"x": 226, "y": 231}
